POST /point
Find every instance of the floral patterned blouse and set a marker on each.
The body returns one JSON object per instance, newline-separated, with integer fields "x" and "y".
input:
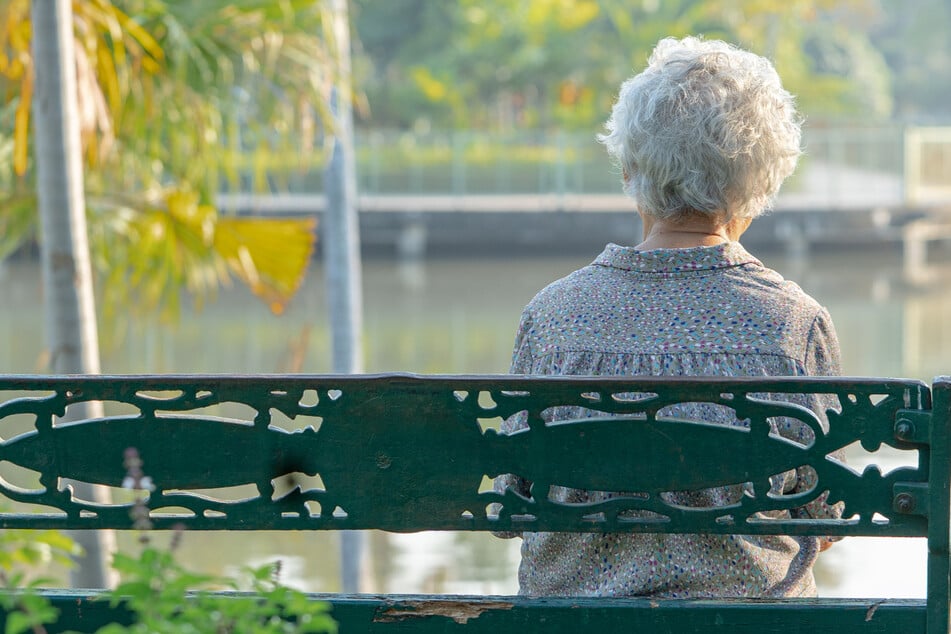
{"x": 699, "y": 311}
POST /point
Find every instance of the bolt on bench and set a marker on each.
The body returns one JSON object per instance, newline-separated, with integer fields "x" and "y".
{"x": 402, "y": 452}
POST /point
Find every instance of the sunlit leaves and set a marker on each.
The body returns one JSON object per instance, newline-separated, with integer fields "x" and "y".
{"x": 168, "y": 90}
{"x": 22, "y": 553}
{"x": 164, "y": 596}
{"x": 17, "y": 198}
{"x": 434, "y": 89}
{"x": 149, "y": 255}
{"x": 110, "y": 51}
{"x": 17, "y": 219}
{"x": 29, "y": 549}
{"x": 566, "y": 14}
{"x": 249, "y": 76}
{"x": 541, "y": 63}
{"x": 269, "y": 255}
{"x": 21, "y": 125}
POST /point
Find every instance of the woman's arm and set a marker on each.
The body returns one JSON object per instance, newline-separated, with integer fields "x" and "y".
{"x": 521, "y": 364}
{"x": 822, "y": 358}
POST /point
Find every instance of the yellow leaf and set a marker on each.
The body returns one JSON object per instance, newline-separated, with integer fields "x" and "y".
{"x": 145, "y": 40}
{"x": 270, "y": 255}
{"x": 108, "y": 76}
{"x": 92, "y": 149}
{"x": 20, "y": 34}
{"x": 21, "y": 126}
{"x": 432, "y": 88}
{"x": 574, "y": 15}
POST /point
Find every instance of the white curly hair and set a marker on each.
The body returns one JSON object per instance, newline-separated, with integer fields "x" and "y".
{"x": 705, "y": 128}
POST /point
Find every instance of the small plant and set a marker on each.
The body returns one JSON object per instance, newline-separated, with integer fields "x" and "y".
{"x": 162, "y": 596}
{"x": 166, "y": 598}
{"x": 21, "y": 551}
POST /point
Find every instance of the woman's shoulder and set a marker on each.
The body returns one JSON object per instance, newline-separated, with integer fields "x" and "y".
{"x": 782, "y": 302}
{"x": 769, "y": 286}
{"x": 578, "y": 284}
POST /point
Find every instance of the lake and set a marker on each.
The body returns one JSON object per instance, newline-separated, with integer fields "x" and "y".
{"x": 459, "y": 316}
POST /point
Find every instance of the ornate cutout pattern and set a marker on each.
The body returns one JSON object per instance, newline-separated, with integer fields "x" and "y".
{"x": 403, "y": 452}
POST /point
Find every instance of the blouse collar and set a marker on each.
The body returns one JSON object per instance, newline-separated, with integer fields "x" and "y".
{"x": 675, "y": 260}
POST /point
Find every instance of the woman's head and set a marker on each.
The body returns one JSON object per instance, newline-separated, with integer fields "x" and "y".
{"x": 706, "y": 128}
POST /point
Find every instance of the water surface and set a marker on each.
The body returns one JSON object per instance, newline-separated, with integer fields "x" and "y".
{"x": 459, "y": 316}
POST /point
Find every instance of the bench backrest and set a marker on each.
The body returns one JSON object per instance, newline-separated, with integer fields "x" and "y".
{"x": 405, "y": 453}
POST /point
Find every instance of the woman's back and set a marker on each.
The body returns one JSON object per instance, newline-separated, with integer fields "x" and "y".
{"x": 700, "y": 311}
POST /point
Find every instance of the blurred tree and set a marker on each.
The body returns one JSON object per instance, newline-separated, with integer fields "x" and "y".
{"x": 546, "y": 63}
{"x": 393, "y": 37}
{"x": 173, "y": 95}
{"x": 917, "y": 48}
{"x": 69, "y": 305}
{"x": 821, "y": 48}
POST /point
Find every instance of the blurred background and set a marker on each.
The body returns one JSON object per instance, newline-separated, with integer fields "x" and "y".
{"x": 207, "y": 131}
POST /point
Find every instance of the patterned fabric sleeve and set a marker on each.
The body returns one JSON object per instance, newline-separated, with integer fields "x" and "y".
{"x": 521, "y": 364}
{"x": 822, "y": 359}
{"x": 522, "y": 354}
{"x": 822, "y": 349}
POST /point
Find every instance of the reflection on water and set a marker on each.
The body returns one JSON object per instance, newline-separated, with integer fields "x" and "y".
{"x": 459, "y": 316}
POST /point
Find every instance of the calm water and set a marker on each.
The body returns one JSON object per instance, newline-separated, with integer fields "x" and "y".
{"x": 459, "y": 316}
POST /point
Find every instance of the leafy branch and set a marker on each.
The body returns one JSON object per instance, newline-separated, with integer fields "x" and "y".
{"x": 27, "y": 611}
{"x": 166, "y": 598}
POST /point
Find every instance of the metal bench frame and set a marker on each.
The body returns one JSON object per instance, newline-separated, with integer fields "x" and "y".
{"x": 403, "y": 452}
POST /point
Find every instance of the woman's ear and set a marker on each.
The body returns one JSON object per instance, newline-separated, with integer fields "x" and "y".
{"x": 627, "y": 185}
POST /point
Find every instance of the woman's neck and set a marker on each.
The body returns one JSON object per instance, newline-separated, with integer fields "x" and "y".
{"x": 685, "y": 233}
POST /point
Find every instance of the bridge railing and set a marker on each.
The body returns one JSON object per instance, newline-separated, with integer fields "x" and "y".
{"x": 839, "y": 164}
{"x": 927, "y": 172}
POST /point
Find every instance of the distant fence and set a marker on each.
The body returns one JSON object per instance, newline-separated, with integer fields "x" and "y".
{"x": 927, "y": 165}
{"x": 841, "y": 165}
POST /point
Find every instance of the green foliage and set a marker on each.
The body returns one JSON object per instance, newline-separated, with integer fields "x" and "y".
{"x": 558, "y": 63}
{"x": 161, "y": 595}
{"x": 166, "y": 598}
{"x": 195, "y": 248}
{"x": 917, "y": 50}
{"x": 168, "y": 91}
{"x": 27, "y": 611}
{"x": 23, "y": 551}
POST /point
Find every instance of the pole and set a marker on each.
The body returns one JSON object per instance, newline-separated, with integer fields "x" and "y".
{"x": 341, "y": 247}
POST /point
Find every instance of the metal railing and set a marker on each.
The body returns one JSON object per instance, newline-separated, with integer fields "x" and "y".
{"x": 841, "y": 167}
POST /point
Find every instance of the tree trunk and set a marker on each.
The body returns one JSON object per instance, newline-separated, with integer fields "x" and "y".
{"x": 341, "y": 247}
{"x": 72, "y": 338}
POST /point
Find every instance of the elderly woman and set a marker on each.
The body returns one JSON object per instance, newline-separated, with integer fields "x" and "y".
{"x": 704, "y": 138}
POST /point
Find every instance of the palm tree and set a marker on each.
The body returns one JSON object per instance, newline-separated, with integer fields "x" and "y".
{"x": 157, "y": 132}
{"x": 165, "y": 94}
{"x": 67, "y": 276}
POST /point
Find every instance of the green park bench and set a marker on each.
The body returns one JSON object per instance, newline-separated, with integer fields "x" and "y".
{"x": 406, "y": 453}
